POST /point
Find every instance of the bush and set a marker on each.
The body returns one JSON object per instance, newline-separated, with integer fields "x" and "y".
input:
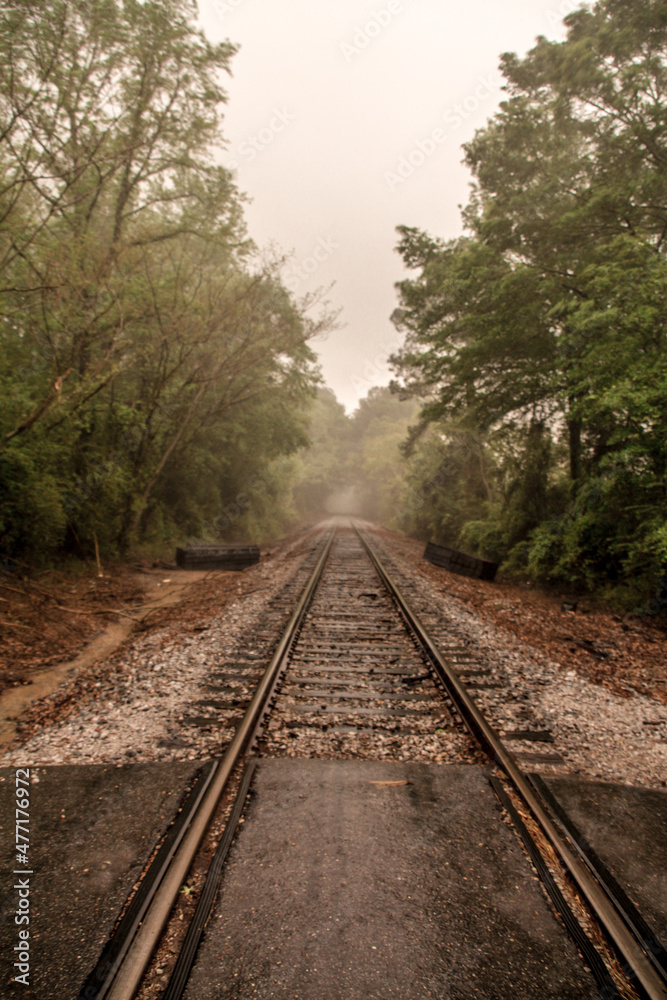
{"x": 32, "y": 520}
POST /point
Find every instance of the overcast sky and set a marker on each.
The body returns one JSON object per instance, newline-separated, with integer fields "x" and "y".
{"x": 346, "y": 119}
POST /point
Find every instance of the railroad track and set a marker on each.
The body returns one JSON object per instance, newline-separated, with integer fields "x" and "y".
{"x": 357, "y": 673}
{"x": 358, "y": 684}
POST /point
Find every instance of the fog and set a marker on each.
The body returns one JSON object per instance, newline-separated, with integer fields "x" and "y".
{"x": 345, "y": 120}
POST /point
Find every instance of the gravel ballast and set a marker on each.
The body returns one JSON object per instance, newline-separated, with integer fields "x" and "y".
{"x": 136, "y": 705}
{"x": 150, "y": 701}
{"x": 599, "y": 734}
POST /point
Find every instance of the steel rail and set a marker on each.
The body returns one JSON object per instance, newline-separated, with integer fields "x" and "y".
{"x": 139, "y": 954}
{"x": 100, "y": 979}
{"x": 635, "y": 961}
{"x": 633, "y": 918}
{"x": 180, "y": 975}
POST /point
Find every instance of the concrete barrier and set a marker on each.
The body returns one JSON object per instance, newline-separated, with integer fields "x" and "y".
{"x": 234, "y": 557}
{"x": 460, "y": 562}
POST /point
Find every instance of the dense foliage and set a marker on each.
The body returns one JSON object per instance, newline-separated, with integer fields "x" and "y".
{"x": 538, "y": 340}
{"x": 154, "y": 371}
{"x": 354, "y": 464}
{"x": 321, "y": 480}
{"x": 376, "y": 462}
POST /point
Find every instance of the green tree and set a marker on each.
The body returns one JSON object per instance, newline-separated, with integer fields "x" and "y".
{"x": 144, "y": 342}
{"x": 548, "y": 317}
{"x": 378, "y": 427}
{"x": 108, "y": 114}
{"x": 323, "y": 471}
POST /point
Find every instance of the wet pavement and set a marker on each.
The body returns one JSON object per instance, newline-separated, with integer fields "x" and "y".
{"x": 91, "y": 831}
{"x": 627, "y": 828}
{"x": 344, "y": 884}
{"x": 348, "y": 879}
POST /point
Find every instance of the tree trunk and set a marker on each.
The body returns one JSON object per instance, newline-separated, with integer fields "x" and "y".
{"x": 143, "y": 502}
{"x": 574, "y": 436}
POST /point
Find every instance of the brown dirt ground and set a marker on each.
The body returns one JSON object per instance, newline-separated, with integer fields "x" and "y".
{"x": 624, "y": 654}
{"x": 48, "y": 621}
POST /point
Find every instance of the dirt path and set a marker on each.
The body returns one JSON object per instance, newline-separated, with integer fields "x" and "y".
{"x": 26, "y": 682}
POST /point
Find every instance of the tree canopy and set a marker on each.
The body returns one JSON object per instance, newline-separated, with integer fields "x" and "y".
{"x": 152, "y": 363}
{"x": 542, "y": 329}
